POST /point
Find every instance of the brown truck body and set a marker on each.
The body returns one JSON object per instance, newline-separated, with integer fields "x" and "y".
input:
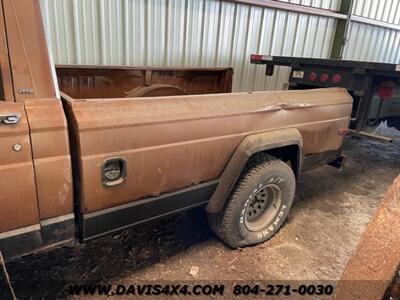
{"x": 120, "y": 82}
{"x": 172, "y": 152}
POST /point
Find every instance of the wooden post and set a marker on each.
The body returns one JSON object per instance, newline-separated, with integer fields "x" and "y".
{"x": 371, "y": 268}
{"x": 6, "y": 291}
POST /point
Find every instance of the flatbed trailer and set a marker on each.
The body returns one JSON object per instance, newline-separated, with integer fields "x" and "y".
{"x": 375, "y": 87}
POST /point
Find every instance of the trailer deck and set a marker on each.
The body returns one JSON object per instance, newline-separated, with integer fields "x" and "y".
{"x": 374, "y": 86}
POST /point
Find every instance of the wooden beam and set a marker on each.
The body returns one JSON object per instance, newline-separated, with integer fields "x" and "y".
{"x": 373, "y": 264}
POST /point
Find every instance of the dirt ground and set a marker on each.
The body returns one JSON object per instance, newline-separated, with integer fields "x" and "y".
{"x": 330, "y": 212}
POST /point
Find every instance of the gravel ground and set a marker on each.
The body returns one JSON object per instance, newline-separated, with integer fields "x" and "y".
{"x": 330, "y": 212}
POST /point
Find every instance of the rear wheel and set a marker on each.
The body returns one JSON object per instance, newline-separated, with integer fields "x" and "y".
{"x": 259, "y": 204}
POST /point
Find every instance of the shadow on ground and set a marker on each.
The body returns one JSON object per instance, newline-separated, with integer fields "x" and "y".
{"x": 47, "y": 275}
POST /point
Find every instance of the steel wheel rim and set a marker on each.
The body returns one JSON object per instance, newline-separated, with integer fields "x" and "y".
{"x": 263, "y": 207}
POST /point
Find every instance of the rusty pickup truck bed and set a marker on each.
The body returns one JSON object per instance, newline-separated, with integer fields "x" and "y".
{"x": 172, "y": 143}
{"x": 80, "y": 81}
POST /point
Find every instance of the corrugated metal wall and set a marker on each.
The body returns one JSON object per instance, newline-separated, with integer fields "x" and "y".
{"x": 373, "y": 43}
{"x": 186, "y": 33}
{"x": 382, "y": 10}
{"x": 203, "y": 33}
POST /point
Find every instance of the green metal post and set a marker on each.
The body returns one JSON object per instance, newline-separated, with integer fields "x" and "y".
{"x": 342, "y": 28}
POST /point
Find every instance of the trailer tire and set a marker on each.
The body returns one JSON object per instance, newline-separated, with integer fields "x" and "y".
{"x": 258, "y": 205}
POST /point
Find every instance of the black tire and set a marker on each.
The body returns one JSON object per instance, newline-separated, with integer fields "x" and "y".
{"x": 264, "y": 181}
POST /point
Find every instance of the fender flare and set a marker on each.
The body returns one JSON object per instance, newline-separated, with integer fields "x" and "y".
{"x": 250, "y": 145}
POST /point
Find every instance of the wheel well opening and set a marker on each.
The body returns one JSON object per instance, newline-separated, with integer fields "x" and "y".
{"x": 288, "y": 154}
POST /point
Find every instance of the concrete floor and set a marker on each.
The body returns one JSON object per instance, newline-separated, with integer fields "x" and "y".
{"x": 330, "y": 212}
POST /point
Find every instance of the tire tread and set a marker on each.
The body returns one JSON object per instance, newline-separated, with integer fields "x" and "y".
{"x": 220, "y": 222}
